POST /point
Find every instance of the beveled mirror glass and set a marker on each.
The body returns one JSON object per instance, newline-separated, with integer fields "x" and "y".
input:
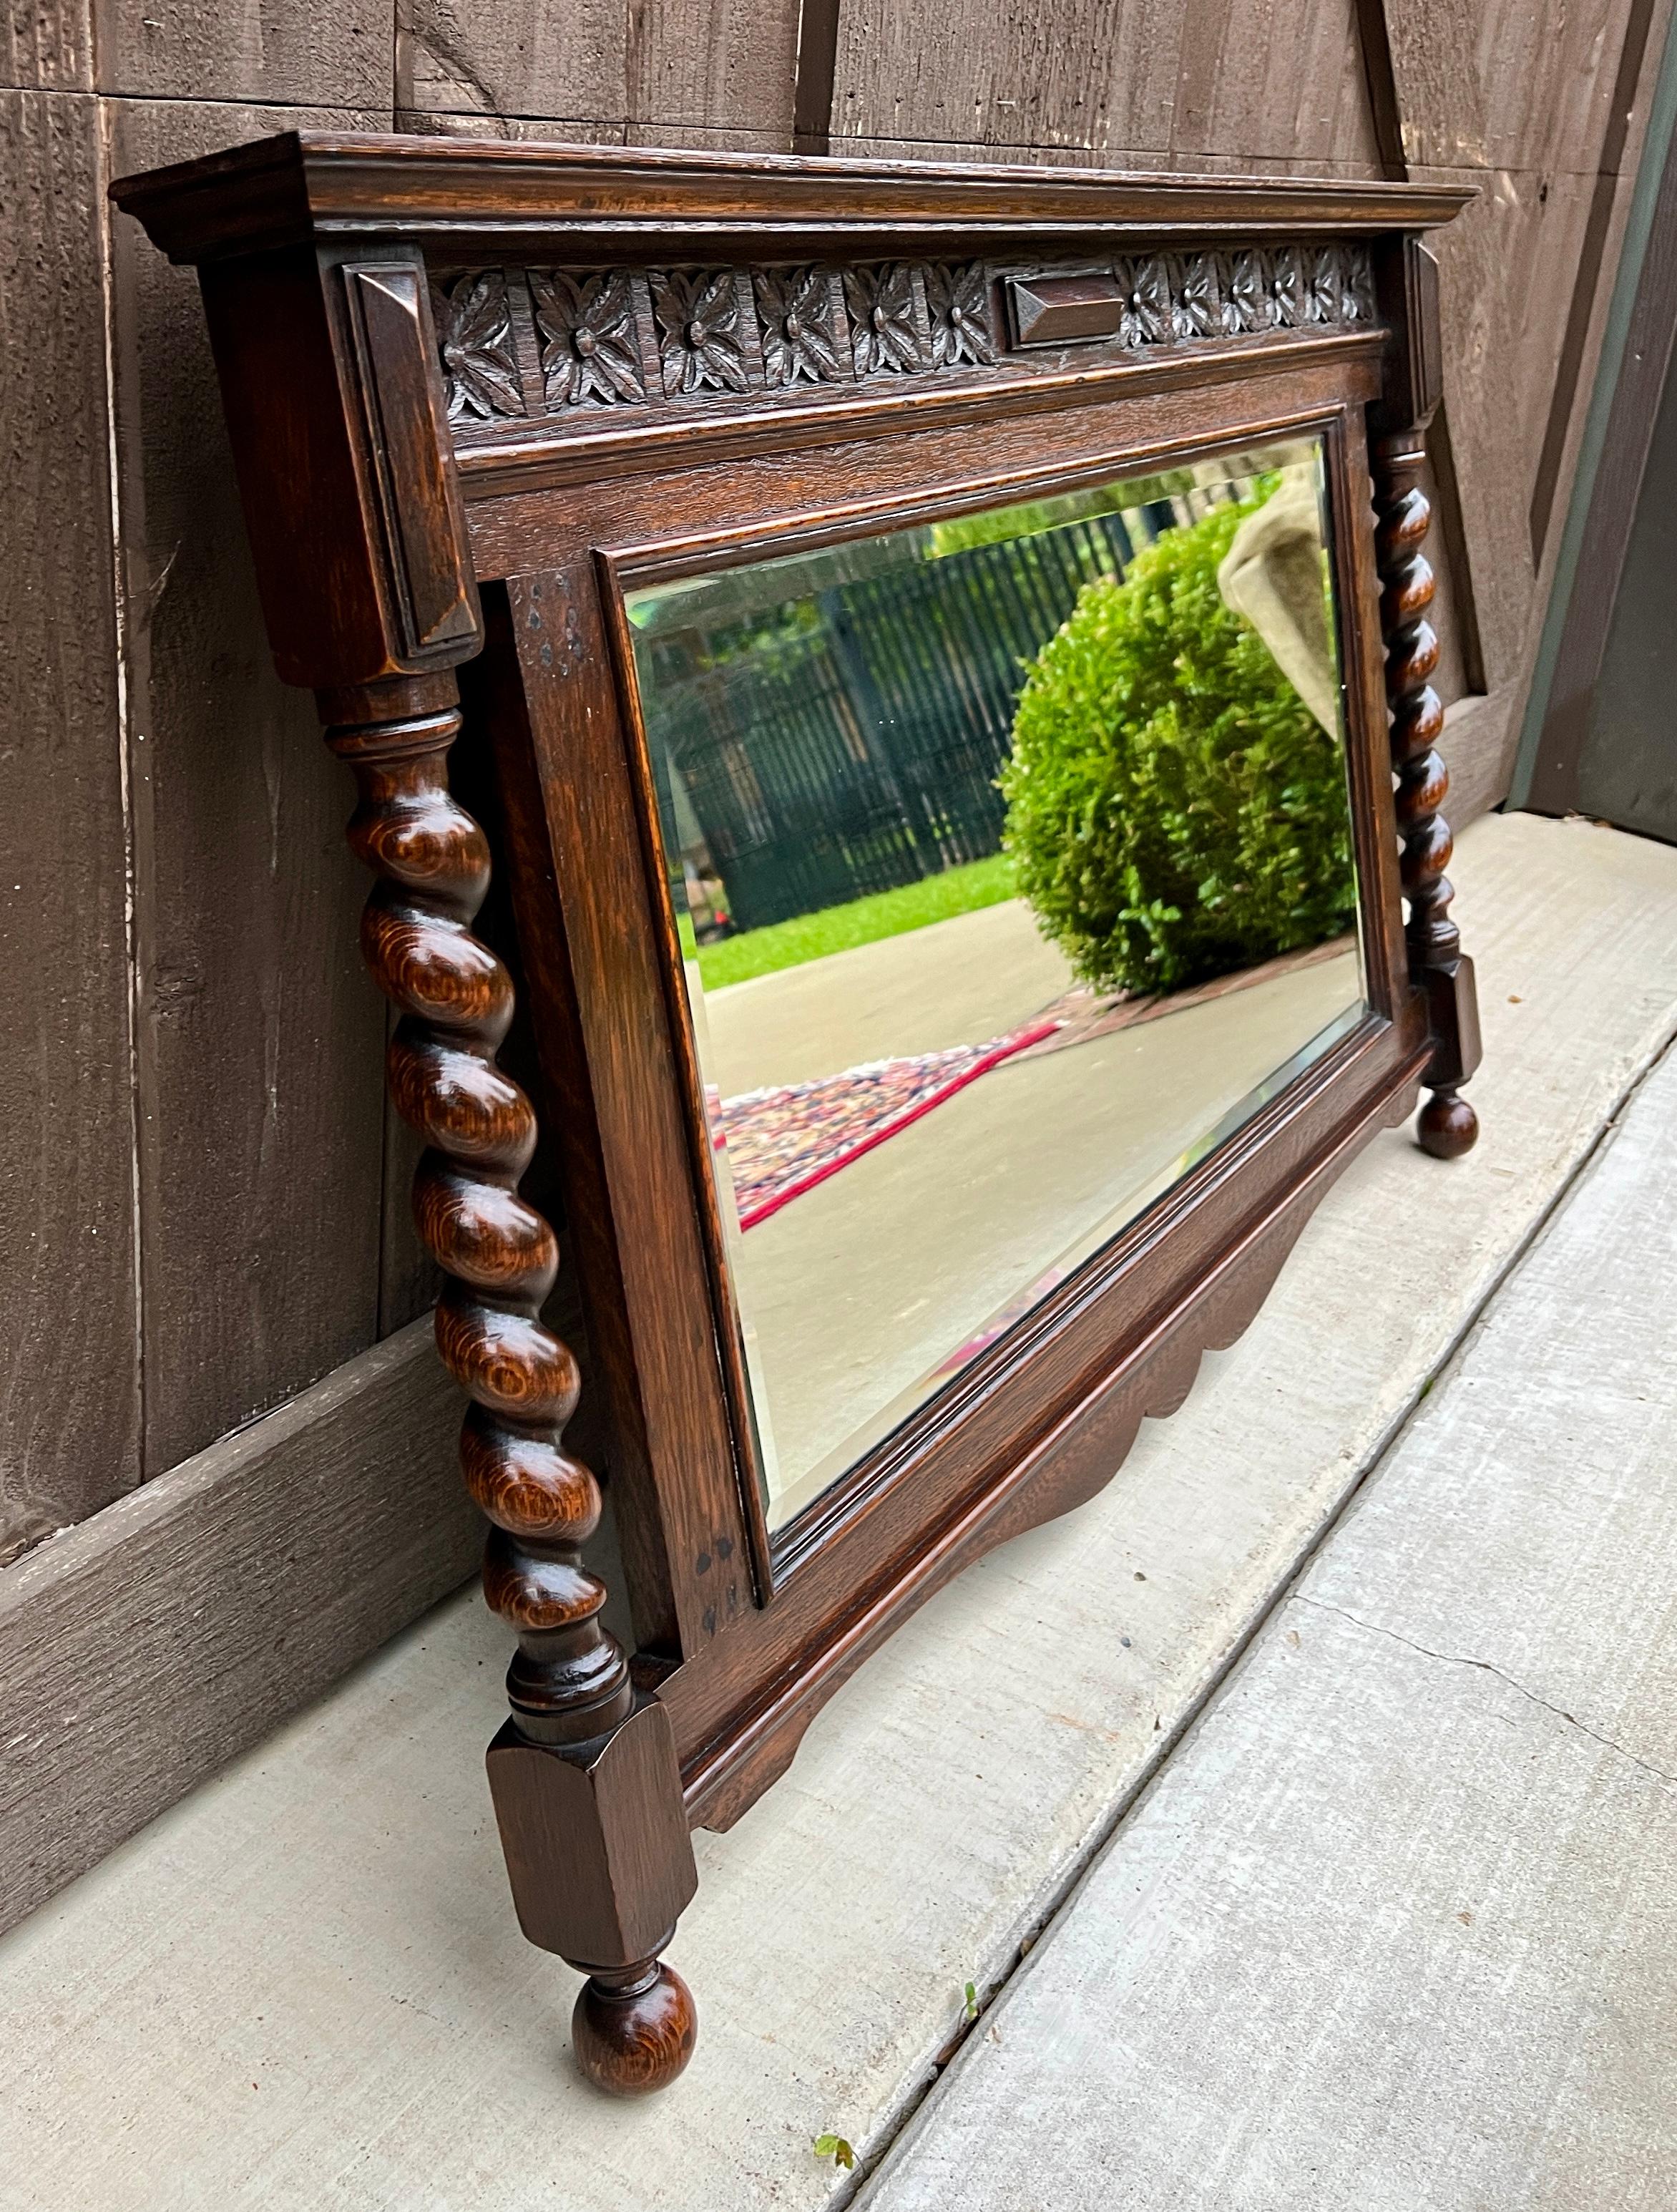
{"x": 1011, "y": 858}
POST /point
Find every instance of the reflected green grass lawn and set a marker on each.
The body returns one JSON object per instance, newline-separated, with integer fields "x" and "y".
{"x": 860, "y": 921}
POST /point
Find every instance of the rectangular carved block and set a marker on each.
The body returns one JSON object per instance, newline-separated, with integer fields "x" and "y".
{"x": 436, "y": 600}
{"x": 596, "y": 1839}
{"x": 1046, "y": 310}
{"x": 1452, "y": 1005}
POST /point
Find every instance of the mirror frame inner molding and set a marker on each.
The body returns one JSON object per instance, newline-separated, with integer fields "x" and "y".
{"x": 476, "y": 391}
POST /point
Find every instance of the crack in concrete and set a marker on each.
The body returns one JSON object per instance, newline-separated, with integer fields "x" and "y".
{"x": 1485, "y": 1667}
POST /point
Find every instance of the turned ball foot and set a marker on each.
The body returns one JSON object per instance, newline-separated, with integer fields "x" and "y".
{"x": 1448, "y": 1126}
{"x": 634, "y": 2031}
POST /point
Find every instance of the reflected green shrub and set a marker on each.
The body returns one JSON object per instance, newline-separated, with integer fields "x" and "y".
{"x": 1174, "y": 810}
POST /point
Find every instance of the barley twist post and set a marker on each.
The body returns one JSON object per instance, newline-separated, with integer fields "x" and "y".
{"x": 568, "y": 1685}
{"x": 1447, "y": 1125}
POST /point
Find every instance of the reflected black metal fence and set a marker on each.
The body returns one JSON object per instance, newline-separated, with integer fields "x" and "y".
{"x": 861, "y": 752}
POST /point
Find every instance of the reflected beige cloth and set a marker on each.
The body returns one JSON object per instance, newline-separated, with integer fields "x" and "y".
{"x": 1273, "y": 574}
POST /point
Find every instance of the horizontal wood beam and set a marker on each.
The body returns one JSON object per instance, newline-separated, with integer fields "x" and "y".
{"x": 300, "y": 187}
{"x": 142, "y": 1650}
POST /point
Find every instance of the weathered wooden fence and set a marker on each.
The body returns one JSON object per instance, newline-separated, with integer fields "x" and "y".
{"x": 863, "y": 753}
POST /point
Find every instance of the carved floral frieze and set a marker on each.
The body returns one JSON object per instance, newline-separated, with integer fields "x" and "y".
{"x": 474, "y": 326}
{"x": 957, "y": 306}
{"x": 626, "y": 337}
{"x": 1196, "y": 298}
{"x": 699, "y": 335}
{"x": 797, "y": 314}
{"x": 591, "y": 349}
{"x": 884, "y": 319}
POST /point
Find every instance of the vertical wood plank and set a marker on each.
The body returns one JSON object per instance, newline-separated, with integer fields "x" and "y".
{"x": 1512, "y": 84}
{"x": 1618, "y": 126}
{"x": 69, "y": 1384}
{"x": 1537, "y": 101}
{"x": 935, "y": 74}
{"x": 46, "y": 47}
{"x": 260, "y": 1041}
{"x": 1262, "y": 83}
{"x": 331, "y": 52}
{"x": 1436, "y": 76}
{"x": 723, "y": 66}
{"x": 1244, "y": 86}
{"x": 728, "y": 65}
{"x": 815, "y": 70}
{"x": 1506, "y": 271}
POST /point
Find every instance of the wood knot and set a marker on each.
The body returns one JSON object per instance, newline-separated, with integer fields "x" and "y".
{"x": 527, "y": 1485}
{"x": 507, "y": 1361}
{"x": 483, "y": 1232}
{"x": 536, "y": 1591}
{"x": 633, "y": 2032}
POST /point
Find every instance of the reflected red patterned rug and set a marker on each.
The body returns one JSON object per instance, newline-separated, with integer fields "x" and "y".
{"x": 784, "y": 1140}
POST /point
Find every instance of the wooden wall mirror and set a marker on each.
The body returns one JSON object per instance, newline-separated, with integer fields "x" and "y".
{"x": 956, "y": 746}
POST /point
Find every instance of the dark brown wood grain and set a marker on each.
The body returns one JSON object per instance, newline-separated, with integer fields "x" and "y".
{"x": 1449, "y": 1125}
{"x": 331, "y": 375}
{"x": 499, "y": 1256}
{"x": 70, "y": 1378}
{"x": 298, "y": 185}
{"x": 612, "y": 1818}
{"x": 619, "y": 957}
{"x": 257, "y": 1038}
{"x": 816, "y": 69}
{"x": 536, "y": 456}
{"x": 351, "y": 414}
{"x": 511, "y": 528}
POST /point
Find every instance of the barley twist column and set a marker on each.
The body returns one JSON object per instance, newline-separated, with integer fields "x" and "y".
{"x": 568, "y": 1685}
{"x": 1447, "y": 1125}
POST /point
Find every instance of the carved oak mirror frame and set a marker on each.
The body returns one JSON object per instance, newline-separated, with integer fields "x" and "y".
{"x": 474, "y": 391}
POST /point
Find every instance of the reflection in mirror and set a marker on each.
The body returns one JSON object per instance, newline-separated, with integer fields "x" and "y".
{"x": 1010, "y": 857}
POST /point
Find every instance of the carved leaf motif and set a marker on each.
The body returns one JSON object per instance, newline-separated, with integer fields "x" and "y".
{"x": 1321, "y": 290}
{"x": 1195, "y": 308}
{"x": 1247, "y": 303}
{"x": 1291, "y": 288}
{"x": 794, "y": 308}
{"x": 882, "y": 333}
{"x": 697, "y": 314}
{"x": 475, "y": 338}
{"x": 1356, "y": 287}
{"x": 590, "y": 350}
{"x": 958, "y": 301}
{"x": 1145, "y": 318}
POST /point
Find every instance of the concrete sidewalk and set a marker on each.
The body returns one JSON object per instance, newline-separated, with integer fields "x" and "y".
{"x": 1396, "y": 1928}
{"x": 304, "y": 1987}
